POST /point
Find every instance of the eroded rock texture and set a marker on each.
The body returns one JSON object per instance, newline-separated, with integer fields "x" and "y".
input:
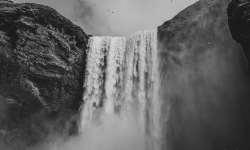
{"x": 239, "y": 23}
{"x": 205, "y": 80}
{"x": 41, "y": 57}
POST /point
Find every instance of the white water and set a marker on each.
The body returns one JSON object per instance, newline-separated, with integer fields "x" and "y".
{"x": 122, "y": 106}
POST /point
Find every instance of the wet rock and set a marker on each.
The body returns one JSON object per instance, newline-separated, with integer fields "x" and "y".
{"x": 205, "y": 80}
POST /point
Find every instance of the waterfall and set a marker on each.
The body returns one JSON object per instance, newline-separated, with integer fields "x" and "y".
{"x": 122, "y": 79}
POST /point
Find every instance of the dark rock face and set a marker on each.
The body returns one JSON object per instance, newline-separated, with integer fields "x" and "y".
{"x": 239, "y": 24}
{"x": 42, "y": 64}
{"x": 205, "y": 80}
{"x": 42, "y": 57}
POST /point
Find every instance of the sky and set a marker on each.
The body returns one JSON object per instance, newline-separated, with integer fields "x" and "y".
{"x": 116, "y": 17}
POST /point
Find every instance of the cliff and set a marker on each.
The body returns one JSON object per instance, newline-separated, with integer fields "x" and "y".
{"x": 239, "y": 24}
{"x": 42, "y": 56}
{"x": 204, "y": 79}
{"x": 42, "y": 64}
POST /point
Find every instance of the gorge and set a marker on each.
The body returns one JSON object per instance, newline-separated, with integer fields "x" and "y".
{"x": 183, "y": 86}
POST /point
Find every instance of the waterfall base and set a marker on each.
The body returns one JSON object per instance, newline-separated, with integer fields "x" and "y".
{"x": 121, "y": 98}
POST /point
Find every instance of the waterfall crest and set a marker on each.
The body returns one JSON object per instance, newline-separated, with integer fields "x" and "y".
{"x": 122, "y": 79}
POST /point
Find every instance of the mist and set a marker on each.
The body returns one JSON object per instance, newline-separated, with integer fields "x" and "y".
{"x": 205, "y": 85}
{"x": 116, "y": 17}
{"x": 108, "y": 132}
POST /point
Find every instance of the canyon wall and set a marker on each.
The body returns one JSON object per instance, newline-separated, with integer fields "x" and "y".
{"x": 205, "y": 82}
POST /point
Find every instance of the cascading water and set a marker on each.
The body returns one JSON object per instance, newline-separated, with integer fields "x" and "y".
{"x": 122, "y": 80}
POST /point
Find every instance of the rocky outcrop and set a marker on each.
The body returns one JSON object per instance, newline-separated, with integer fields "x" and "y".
{"x": 42, "y": 57}
{"x": 42, "y": 64}
{"x": 239, "y": 23}
{"x": 205, "y": 80}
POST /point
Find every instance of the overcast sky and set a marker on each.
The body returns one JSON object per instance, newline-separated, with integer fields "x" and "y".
{"x": 116, "y": 17}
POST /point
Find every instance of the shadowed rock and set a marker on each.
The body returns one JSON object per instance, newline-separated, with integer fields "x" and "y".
{"x": 239, "y": 23}
{"x": 205, "y": 81}
{"x": 42, "y": 57}
{"x": 42, "y": 64}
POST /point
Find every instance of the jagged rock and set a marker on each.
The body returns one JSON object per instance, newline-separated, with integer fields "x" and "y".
{"x": 42, "y": 64}
{"x": 42, "y": 57}
{"x": 239, "y": 23}
{"x": 204, "y": 80}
